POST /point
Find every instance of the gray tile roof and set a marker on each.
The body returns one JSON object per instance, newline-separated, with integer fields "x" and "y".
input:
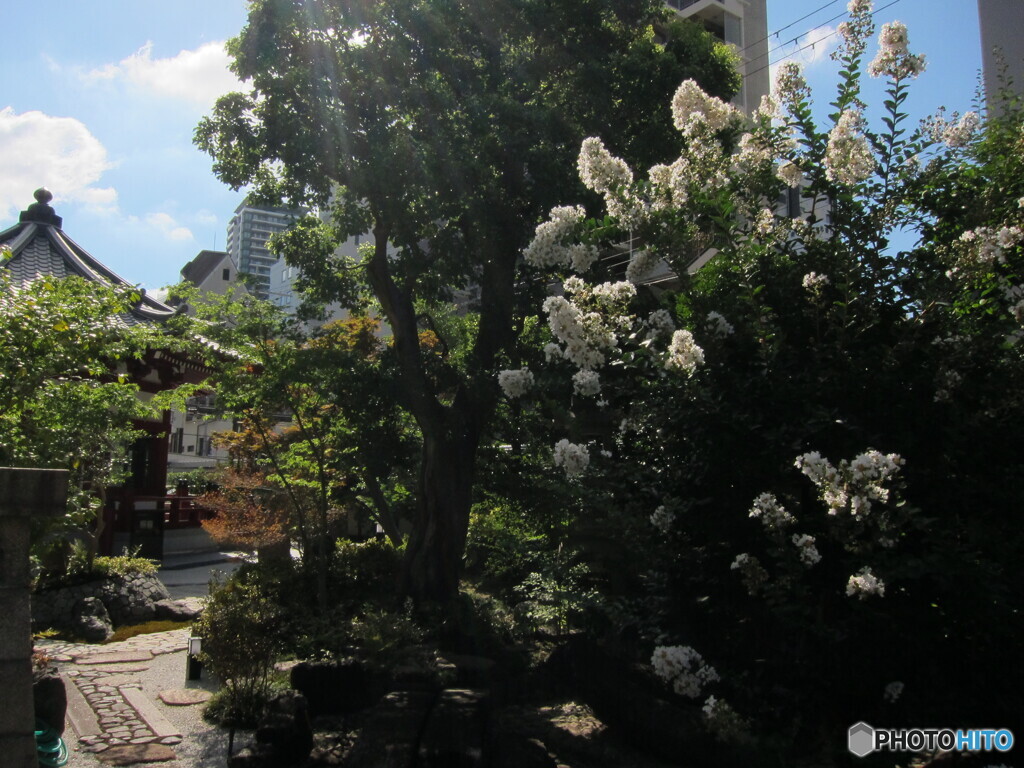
{"x": 39, "y": 248}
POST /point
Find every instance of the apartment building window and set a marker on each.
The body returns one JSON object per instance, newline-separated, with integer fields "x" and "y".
{"x": 225, "y": 274}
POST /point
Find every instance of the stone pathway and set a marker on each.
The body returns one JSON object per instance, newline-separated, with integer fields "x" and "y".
{"x": 106, "y": 705}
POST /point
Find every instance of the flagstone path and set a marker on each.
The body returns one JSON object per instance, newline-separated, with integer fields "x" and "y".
{"x": 106, "y": 705}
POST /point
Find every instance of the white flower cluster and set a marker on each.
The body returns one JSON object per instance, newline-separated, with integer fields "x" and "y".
{"x": 893, "y": 59}
{"x": 814, "y": 282}
{"x": 662, "y": 519}
{"x": 864, "y": 584}
{"x": 684, "y": 668}
{"x": 724, "y": 722}
{"x": 854, "y": 485}
{"x": 790, "y": 86}
{"x": 660, "y": 323}
{"x": 753, "y": 573}
{"x": 571, "y": 457}
{"x": 848, "y": 157}
{"x": 953, "y": 132}
{"x": 683, "y": 353}
{"x": 893, "y": 691}
{"x": 770, "y": 512}
{"x": 585, "y": 335}
{"x": 515, "y": 383}
{"x": 856, "y": 30}
{"x": 586, "y": 383}
{"x": 985, "y": 246}
{"x": 599, "y": 169}
{"x": 718, "y": 324}
{"x": 790, "y": 173}
{"x": 612, "y": 294}
{"x": 764, "y": 222}
{"x": 547, "y": 249}
{"x": 809, "y": 554}
{"x": 640, "y": 265}
{"x": 694, "y": 110}
{"x": 702, "y": 167}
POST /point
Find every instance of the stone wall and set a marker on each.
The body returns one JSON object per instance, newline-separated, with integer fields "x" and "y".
{"x": 128, "y": 600}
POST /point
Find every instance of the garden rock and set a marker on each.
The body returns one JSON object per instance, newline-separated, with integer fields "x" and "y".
{"x": 50, "y": 698}
{"x": 177, "y": 610}
{"x": 390, "y": 734}
{"x": 455, "y": 731}
{"x": 284, "y": 736}
{"x": 512, "y": 750}
{"x": 332, "y": 688}
{"x": 629, "y": 702}
{"x": 127, "y": 599}
{"x": 91, "y": 621}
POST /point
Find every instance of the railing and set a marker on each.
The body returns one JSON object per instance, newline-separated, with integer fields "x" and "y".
{"x": 178, "y": 511}
{"x": 682, "y": 5}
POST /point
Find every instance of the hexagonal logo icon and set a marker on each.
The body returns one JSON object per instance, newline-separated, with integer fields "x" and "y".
{"x": 861, "y": 739}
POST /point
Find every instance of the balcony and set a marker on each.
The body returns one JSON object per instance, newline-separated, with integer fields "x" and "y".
{"x": 682, "y": 5}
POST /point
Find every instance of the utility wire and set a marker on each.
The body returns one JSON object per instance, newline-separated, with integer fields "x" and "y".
{"x": 809, "y": 45}
{"x": 793, "y": 23}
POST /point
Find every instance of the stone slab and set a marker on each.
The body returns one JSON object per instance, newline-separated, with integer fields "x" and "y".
{"x": 83, "y": 720}
{"x": 183, "y": 697}
{"x": 147, "y": 710}
{"x": 120, "y": 657}
{"x": 116, "y": 680}
{"x": 130, "y": 754}
{"x": 113, "y": 669}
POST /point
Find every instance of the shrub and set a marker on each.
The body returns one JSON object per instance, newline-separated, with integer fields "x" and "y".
{"x": 243, "y": 633}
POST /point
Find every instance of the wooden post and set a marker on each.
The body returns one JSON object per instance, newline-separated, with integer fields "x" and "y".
{"x": 24, "y": 494}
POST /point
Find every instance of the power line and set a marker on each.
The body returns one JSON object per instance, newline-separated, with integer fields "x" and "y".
{"x": 793, "y": 23}
{"x": 809, "y": 45}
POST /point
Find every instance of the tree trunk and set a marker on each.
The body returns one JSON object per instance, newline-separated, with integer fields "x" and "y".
{"x": 433, "y": 560}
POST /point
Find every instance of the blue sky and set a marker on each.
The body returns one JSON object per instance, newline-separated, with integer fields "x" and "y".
{"x": 100, "y": 98}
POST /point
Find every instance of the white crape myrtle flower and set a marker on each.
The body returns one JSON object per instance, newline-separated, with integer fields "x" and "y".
{"x": 662, "y": 519}
{"x": 582, "y": 257}
{"x": 864, "y": 584}
{"x": 753, "y": 573}
{"x": 692, "y": 108}
{"x": 764, "y": 223}
{"x": 641, "y": 264}
{"x": 724, "y": 723}
{"x": 752, "y": 152}
{"x": 1020, "y": 202}
{"x": 893, "y": 691}
{"x": 684, "y": 668}
{"x": 848, "y": 157}
{"x": 790, "y": 173}
{"x": 768, "y": 108}
{"x": 790, "y": 85}
{"x": 893, "y": 59}
{"x": 571, "y": 457}
{"x": 552, "y": 352}
{"x": 770, "y": 512}
{"x": 586, "y": 383}
{"x": 683, "y": 353}
{"x": 809, "y": 554}
{"x": 856, "y": 30}
{"x": 718, "y": 324}
{"x": 959, "y": 134}
{"x": 610, "y": 294}
{"x": 515, "y": 383}
{"x": 546, "y": 248}
{"x": 599, "y": 169}
{"x": 814, "y": 282}
{"x": 660, "y": 323}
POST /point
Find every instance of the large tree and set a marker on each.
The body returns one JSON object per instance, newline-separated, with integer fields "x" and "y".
{"x": 446, "y": 128}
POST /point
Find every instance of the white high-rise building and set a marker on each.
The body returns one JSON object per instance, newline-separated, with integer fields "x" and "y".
{"x": 248, "y": 232}
{"x": 743, "y": 24}
{"x": 1001, "y": 23}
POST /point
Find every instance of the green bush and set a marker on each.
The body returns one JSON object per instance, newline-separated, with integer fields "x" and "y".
{"x": 123, "y": 565}
{"x": 243, "y": 633}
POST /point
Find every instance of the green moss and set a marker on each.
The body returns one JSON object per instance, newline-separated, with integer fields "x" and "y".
{"x": 148, "y": 628}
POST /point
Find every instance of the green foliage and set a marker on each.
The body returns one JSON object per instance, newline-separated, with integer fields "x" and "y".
{"x": 124, "y": 566}
{"x": 243, "y": 634}
{"x": 386, "y": 635}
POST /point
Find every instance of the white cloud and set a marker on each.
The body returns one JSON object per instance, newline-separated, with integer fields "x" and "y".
{"x": 198, "y": 76}
{"x": 167, "y": 226}
{"x": 809, "y": 49}
{"x": 59, "y": 153}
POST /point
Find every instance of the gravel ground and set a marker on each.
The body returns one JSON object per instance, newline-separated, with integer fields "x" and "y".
{"x": 203, "y": 746}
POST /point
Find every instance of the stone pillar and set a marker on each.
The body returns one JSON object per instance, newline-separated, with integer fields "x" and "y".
{"x": 24, "y": 494}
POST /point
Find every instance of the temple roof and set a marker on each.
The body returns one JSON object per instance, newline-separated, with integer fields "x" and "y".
{"x": 40, "y": 248}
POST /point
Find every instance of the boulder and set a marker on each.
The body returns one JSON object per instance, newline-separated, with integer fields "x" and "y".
{"x": 391, "y": 731}
{"x": 512, "y": 750}
{"x": 455, "y": 732}
{"x": 284, "y": 736}
{"x": 90, "y": 620}
{"x": 177, "y": 610}
{"x": 50, "y": 698}
{"x": 332, "y": 688}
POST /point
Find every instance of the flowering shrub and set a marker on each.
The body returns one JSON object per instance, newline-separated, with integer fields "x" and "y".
{"x": 801, "y": 331}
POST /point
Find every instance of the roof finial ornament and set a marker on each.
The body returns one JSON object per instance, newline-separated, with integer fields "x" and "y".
{"x": 40, "y": 211}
